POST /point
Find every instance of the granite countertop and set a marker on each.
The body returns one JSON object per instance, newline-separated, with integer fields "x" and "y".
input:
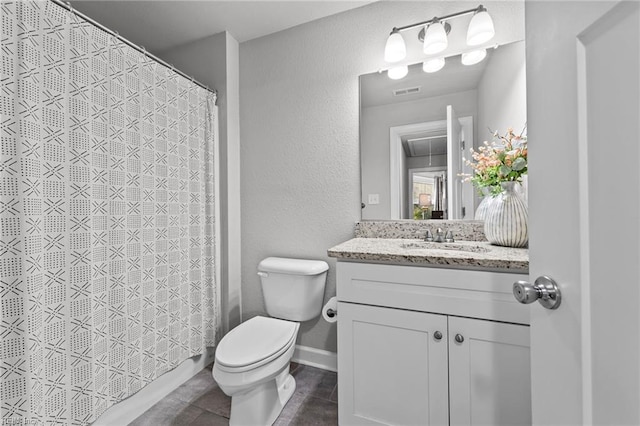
{"x": 460, "y": 254}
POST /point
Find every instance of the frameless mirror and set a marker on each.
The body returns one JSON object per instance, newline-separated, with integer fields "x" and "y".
{"x": 415, "y": 132}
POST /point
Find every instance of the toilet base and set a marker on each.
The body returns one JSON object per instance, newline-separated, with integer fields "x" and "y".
{"x": 262, "y": 405}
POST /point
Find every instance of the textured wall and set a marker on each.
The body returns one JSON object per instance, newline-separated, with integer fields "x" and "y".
{"x": 300, "y": 154}
{"x": 299, "y": 137}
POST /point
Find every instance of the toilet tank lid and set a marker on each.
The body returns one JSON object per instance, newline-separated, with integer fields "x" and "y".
{"x": 285, "y": 265}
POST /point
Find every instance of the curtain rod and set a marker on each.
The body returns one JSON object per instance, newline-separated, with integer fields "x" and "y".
{"x": 140, "y": 49}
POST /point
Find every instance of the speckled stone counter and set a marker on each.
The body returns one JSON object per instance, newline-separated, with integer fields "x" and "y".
{"x": 463, "y": 230}
{"x": 461, "y": 254}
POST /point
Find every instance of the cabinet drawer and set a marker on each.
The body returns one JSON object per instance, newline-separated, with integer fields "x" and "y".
{"x": 465, "y": 293}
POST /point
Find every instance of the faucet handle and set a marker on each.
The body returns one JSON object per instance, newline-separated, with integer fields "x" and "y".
{"x": 428, "y": 236}
{"x": 449, "y": 237}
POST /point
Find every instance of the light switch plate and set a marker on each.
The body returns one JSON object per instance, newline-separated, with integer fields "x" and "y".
{"x": 374, "y": 198}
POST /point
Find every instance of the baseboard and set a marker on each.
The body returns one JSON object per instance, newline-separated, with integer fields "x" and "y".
{"x": 131, "y": 408}
{"x": 315, "y": 358}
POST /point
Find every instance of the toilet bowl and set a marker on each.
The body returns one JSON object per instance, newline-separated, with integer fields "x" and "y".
{"x": 252, "y": 366}
{"x": 252, "y": 360}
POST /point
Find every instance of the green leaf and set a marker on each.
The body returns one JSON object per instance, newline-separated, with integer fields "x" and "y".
{"x": 505, "y": 170}
{"x": 519, "y": 164}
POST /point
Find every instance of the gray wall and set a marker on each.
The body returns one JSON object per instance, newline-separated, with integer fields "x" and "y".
{"x": 214, "y": 61}
{"x": 502, "y": 92}
{"x": 300, "y": 155}
{"x": 300, "y": 151}
{"x": 293, "y": 179}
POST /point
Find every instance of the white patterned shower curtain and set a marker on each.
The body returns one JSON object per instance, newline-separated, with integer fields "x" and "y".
{"x": 107, "y": 243}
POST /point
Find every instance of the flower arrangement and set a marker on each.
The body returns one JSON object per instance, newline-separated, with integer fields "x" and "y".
{"x": 502, "y": 160}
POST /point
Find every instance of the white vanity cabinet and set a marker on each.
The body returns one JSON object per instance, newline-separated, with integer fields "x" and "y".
{"x": 391, "y": 368}
{"x": 431, "y": 346}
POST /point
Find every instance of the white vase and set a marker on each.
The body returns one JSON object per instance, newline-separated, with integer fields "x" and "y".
{"x": 506, "y": 221}
{"x": 483, "y": 207}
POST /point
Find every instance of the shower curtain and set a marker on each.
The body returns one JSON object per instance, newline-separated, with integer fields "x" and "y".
{"x": 107, "y": 243}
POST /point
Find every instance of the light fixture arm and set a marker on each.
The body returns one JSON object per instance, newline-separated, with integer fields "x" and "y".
{"x": 440, "y": 19}
{"x": 434, "y": 37}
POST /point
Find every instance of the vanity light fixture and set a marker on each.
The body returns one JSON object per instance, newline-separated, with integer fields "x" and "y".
{"x": 396, "y": 73}
{"x": 434, "y": 37}
{"x": 480, "y": 28}
{"x": 433, "y": 65}
{"x": 395, "y": 49}
{"x": 473, "y": 57}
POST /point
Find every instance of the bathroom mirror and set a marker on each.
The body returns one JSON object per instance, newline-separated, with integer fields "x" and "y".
{"x": 415, "y": 132}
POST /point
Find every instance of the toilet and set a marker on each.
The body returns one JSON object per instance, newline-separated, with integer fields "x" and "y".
{"x": 252, "y": 360}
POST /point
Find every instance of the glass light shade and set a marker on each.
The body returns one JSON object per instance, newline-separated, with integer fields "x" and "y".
{"x": 473, "y": 57}
{"x": 433, "y": 65}
{"x": 435, "y": 38}
{"x": 395, "y": 49}
{"x": 480, "y": 29}
{"x": 396, "y": 73}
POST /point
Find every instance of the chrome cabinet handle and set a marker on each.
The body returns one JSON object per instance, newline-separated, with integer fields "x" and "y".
{"x": 459, "y": 338}
{"x": 437, "y": 335}
{"x": 544, "y": 290}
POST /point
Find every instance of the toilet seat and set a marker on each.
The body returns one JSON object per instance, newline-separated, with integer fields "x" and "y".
{"x": 254, "y": 343}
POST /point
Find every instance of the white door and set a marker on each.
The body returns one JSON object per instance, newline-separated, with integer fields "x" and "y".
{"x": 583, "y": 97}
{"x": 454, "y": 161}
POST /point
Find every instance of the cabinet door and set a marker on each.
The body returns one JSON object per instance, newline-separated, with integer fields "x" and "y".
{"x": 392, "y": 370}
{"x": 489, "y": 373}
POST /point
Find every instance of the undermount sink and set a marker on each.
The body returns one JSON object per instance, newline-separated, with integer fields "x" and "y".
{"x": 469, "y": 247}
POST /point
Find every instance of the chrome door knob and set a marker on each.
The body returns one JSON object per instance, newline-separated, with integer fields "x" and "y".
{"x": 525, "y": 292}
{"x": 437, "y": 335}
{"x": 544, "y": 290}
{"x": 459, "y": 338}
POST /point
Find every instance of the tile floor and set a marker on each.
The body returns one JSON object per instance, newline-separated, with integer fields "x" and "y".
{"x": 199, "y": 401}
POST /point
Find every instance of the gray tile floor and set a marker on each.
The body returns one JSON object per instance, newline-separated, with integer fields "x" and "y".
{"x": 199, "y": 401}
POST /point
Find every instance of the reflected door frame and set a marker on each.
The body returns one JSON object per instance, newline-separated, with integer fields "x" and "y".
{"x": 467, "y": 191}
{"x": 396, "y": 177}
{"x": 397, "y": 183}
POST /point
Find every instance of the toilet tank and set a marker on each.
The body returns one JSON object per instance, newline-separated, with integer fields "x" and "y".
{"x": 293, "y": 289}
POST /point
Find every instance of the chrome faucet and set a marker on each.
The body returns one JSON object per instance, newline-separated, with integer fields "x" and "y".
{"x": 439, "y": 236}
{"x": 428, "y": 236}
{"x": 449, "y": 237}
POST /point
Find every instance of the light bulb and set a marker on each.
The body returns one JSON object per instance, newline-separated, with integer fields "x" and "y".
{"x": 473, "y": 57}
{"x": 433, "y": 65}
{"x": 435, "y": 38}
{"x": 395, "y": 49}
{"x": 480, "y": 28}
{"x": 396, "y": 73}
